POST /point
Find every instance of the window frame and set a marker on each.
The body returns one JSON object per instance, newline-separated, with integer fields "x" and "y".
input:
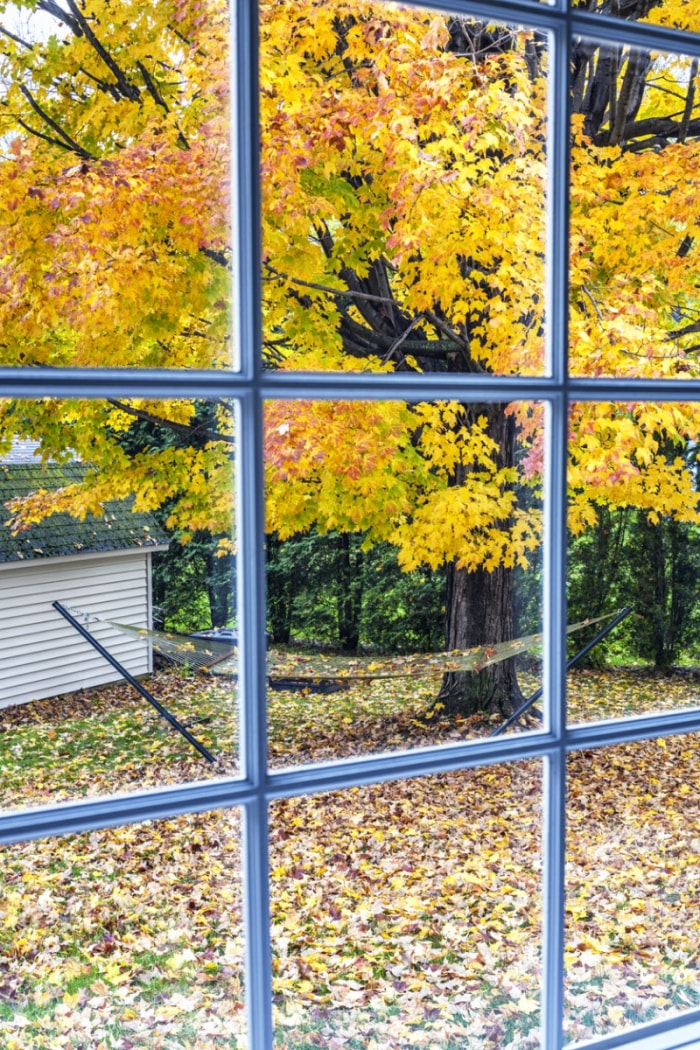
{"x": 249, "y": 386}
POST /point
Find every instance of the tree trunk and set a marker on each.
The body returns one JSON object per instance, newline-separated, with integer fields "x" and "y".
{"x": 349, "y": 591}
{"x": 479, "y": 608}
{"x": 280, "y": 592}
{"x": 220, "y": 590}
{"x": 479, "y": 611}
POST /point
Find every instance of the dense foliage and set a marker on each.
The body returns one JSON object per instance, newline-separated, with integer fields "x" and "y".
{"x": 404, "y": 170}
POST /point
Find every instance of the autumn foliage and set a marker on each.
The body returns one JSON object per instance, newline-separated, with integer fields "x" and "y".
{"x": 404, "y": 174}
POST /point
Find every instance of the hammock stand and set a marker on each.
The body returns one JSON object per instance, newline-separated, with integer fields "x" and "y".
{"x": 162, "y": 711}
{"x": 623, "y": 613}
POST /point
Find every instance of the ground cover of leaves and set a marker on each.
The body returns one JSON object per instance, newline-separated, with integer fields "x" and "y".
{"x": 404, "y": 915}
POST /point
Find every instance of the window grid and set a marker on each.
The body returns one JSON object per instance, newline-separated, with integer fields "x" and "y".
{"x": 249, "y": 387}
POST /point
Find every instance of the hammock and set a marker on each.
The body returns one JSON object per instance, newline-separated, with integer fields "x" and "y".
{"x": 218, "y": 657}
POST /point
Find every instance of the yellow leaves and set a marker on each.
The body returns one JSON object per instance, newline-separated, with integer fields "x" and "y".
{"x": 437, "y": 35}
{"x": 527, "y": 1005}
{"x": 104, "y": 235}
{"x": 180, "y": 960}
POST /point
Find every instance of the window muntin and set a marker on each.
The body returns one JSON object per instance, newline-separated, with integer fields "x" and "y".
{"x": 251, "y": 388}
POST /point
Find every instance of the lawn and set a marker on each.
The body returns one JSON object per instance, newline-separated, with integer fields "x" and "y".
{"x": 404, "y": 915}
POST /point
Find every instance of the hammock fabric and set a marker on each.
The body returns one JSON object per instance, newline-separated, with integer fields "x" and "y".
{"x": 214, "y": 656}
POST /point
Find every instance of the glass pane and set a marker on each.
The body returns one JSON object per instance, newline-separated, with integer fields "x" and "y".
{"x": 408, "y": 914}
{"x": 129, "y": 937}
{"x": 118, "y": 522}
{"x": 404, "y": 581}
{"x": 634, "y": 308}
{"x": 632, "y": 911}
{"x": 404, "y": 177}
{"x": 669, "y": 13}
{"x": 114, "y": 186}
{"x": 635, "y": 546}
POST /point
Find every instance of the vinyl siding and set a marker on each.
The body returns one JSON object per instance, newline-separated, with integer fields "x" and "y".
{"x": 41, "y": 655}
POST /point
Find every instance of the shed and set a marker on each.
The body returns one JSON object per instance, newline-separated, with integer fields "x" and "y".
{"x": 101, "y": 565}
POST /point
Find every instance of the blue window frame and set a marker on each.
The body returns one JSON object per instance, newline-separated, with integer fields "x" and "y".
{"x": 248, "y": 385}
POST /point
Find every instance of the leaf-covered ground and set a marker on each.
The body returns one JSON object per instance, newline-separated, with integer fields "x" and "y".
{"x": 404, "y": 915}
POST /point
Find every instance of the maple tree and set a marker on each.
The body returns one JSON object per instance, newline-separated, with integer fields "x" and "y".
{"x": 404, "y": 168}
{"x": 404, "y": 175}
{"x": 114, "y": 206}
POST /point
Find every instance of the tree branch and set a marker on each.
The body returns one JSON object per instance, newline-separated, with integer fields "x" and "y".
{"x": 220, "y": 257}
{"x": 52, "y": 8}
{"x": 159, "y": 100}
{"x": 67, "y": 142}
{"x": 650, "y": 131}
{"x": 17, "y": 39}
{"x": 127, "y": 89}
{"x": 401, "y": 339}
{"x": 41, "y": 135}
{"x": 169, "y": 424}
{"x": 689, "y": 100}
{"x": 680, "y": 332}
{"x": 340, "y": 293}
{"x": 103, "y": 85}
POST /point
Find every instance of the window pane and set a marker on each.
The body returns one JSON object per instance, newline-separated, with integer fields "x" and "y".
{"x": 634, "y": 309}
{"x": 409, "y": 914}
{"x": 633, "y": 519}
{"x": 122, "y": 513}
{"x": 404, "y": 581}
{"x": 403, "y": 174}
{"x": 632, "y": 910}
{"x": 114, "y": 185}
{"x": 658, "y": 12}
{"x": 129, "y": 937}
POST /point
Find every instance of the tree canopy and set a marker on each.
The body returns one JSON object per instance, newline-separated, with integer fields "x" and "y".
{"x": 404, "y": 171}
{"x": 114, "y": 205}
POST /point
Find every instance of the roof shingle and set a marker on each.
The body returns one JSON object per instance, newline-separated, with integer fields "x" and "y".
{"x": 119, "y": 528}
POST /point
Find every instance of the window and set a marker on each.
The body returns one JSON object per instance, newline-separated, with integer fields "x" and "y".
{"x": 564, "y": 37}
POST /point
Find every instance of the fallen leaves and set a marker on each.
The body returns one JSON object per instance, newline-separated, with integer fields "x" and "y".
{"x": 404, "y": 915}
{"x": 122, "y": 936}
{"x": 634, "y": 889}
{"x": 405, "y": 911}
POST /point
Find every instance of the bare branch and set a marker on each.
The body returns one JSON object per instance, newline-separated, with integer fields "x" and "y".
{"x": 341, "y": 293}
{"x": 53, "y": 8}
{"x": 169, "y": 424}
{"x": 17, "y": 39}
{"x": 401, "y": 339}
{"x": 67, "y": 142}
{"x": 594, "y": 304}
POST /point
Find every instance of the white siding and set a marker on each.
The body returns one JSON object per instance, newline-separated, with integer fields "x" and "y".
{"x": 41, "y": 655}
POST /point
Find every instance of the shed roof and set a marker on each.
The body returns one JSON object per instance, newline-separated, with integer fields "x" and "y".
{"x": 60, "y": 535}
